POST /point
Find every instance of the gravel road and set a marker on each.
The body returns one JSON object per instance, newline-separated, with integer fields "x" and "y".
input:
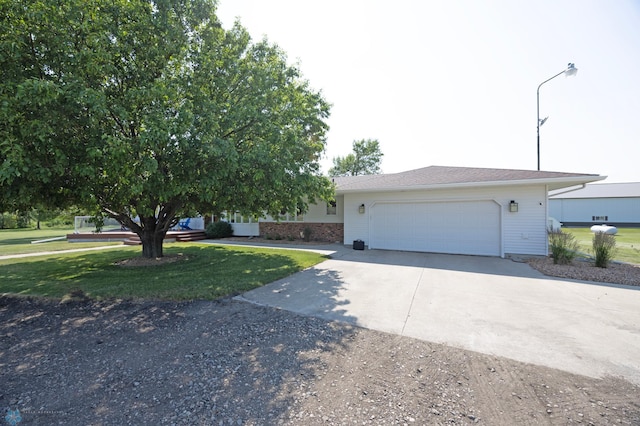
{"x": 232, "y": 363}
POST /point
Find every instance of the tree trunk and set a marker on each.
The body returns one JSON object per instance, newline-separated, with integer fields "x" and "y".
{"x": 150, "y": 229}
{"x": 152, "y": 243}
{"x": 152, "y": 232}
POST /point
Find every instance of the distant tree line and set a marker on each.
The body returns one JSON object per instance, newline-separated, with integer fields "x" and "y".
{"x": 36, "y": 218}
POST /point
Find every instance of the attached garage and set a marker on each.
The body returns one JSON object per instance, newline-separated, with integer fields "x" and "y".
{"x": 456, "y": 210}
{"x": 453, "y": 210}
{"x": 461, "y": 227}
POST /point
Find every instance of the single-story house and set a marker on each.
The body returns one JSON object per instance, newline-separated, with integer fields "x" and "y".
{"x": 457, "y": 210}
{"x": 616, "y": 204}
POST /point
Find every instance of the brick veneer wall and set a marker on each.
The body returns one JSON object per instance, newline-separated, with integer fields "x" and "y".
{"x": 323, "y": 232}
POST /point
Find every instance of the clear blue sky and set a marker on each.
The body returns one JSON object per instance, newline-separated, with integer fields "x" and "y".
{"x": 453, "y": 82}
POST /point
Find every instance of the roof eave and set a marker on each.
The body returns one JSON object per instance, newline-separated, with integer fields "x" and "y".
{"x": 553, "y": 183}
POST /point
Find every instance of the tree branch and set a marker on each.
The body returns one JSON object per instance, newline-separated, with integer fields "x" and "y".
{"x": 119, "y": 123}
{"x": 240, "y": 129}
{"x": 123, "y": 219}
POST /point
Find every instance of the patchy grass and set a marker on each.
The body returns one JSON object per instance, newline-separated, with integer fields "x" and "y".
{"x": 19, "y": 241}
{"x": 627, "y": 243}
{"x": 198, "y": 271}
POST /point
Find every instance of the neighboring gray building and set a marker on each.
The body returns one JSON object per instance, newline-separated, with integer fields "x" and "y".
{"x": 616, "y": 204}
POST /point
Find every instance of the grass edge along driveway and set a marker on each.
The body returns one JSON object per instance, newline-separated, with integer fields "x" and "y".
{"x": 194, "y": 272}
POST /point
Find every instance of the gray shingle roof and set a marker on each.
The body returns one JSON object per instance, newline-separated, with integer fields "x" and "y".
{"x": 439, "y": 176}
{"x": 603, "y": 190}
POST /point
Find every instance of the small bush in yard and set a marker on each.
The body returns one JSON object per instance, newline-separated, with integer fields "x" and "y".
{"x": 220, "y": 229}
{"x": 604, "y": 248}
{"x": 306, "y": 234}
{"x": 564, "y": 247}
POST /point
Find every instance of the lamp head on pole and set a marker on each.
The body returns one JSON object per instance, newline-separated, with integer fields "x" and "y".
{"x": 571, "y": 70}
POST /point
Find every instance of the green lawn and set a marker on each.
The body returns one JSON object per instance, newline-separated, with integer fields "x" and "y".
{"x": 627, "y": 243}
{"x": 19, "y": 241}
{"x": 204, "y": 271}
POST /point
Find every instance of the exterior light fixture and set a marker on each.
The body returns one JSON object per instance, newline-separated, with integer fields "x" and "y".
{"x": 361, "y": 209}
{"x": 570, "y": 71}
{"x": 513, "y": 207}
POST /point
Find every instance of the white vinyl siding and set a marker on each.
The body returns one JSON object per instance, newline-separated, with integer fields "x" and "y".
{"x": 318, "y": 212}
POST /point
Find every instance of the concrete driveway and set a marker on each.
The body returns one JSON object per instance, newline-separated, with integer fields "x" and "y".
{"x": 489, "y": 305}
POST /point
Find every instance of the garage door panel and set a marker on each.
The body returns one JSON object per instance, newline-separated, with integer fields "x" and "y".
{"x": 441, "y": 227}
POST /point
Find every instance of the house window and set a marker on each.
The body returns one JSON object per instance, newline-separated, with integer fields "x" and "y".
{"x": 331, "y": 207}
{"x": 290, "y": 217}
{"x": 599, "y": 218}
{"x": 237, "y": 217}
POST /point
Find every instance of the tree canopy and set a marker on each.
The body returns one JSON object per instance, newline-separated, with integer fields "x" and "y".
{"x": 364, "y": 160}
{"x": 150, "y": 109}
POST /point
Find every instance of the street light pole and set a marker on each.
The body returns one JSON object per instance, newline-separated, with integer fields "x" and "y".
{"x": 569, "y": 72}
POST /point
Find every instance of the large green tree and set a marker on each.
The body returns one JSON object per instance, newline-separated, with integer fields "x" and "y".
{"x": 364, "y": 160}
{"x": 150, "y": 109}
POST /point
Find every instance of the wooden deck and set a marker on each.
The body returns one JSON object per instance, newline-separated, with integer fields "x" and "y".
{"x": 131, "y": 238}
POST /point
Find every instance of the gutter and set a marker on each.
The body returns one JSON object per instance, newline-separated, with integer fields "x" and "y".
{"x": 518, "y": 182}
{"x": 583, "y": 186}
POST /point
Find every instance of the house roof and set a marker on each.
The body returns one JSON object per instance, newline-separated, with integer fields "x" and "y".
{"x": 603, "y": 190}
{"x": 444, "y": 177}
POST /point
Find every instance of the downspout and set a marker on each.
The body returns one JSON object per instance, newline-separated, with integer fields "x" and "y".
{"x": 546, "y": 220}
{"x": 582, "y": 186}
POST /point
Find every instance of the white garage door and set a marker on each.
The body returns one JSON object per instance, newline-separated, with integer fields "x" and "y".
{"x": 465, "y": 227}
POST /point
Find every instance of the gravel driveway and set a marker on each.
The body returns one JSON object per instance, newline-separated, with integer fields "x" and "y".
{"x": 233, "y": 363}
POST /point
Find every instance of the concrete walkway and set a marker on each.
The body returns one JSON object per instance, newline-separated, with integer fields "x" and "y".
{"x": 490, "y": 305}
